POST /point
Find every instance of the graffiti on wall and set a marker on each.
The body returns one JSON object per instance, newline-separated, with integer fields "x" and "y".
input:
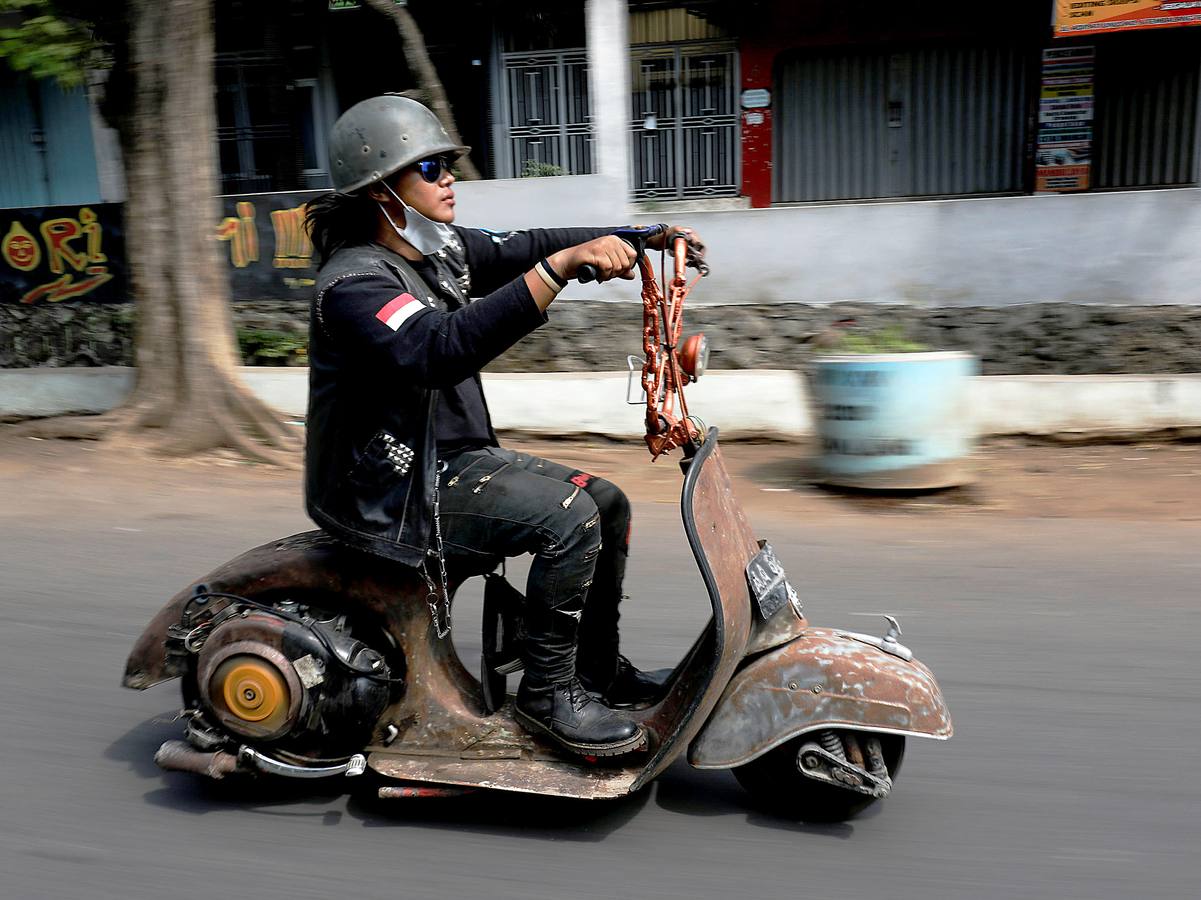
{"x": 269, "y": 252}
{"x": 60, "y": 253}
{"x": 52, "y": 254}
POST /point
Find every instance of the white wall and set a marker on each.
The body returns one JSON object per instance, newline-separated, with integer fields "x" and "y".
{"x": 555, "y": 201}
{"x": 1121, "y": 248}
{"x": 1137, "y": 247}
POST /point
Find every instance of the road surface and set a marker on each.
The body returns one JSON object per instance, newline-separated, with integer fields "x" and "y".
{"x": 1058, "y": 603}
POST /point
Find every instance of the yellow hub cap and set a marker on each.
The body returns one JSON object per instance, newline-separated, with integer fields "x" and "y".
{"x": 252, "y": 688}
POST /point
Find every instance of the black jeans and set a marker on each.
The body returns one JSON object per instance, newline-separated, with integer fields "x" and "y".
{"x": 497, "y": 502}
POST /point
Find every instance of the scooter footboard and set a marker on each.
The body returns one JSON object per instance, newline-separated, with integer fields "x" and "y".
{"x": 822, "y": 679}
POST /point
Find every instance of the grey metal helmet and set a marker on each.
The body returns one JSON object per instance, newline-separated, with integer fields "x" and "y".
{"x": 382, "y": 135}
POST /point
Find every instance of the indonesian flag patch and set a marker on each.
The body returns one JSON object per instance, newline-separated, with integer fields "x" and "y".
{"x": 397, "y": 311}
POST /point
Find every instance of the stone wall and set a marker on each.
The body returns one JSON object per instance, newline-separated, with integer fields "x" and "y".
{"x": 66, "y": 334}
{"x": 1031, "y": 339}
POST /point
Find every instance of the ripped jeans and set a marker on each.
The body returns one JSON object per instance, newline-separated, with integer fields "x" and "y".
{"x": 497, "y": 502}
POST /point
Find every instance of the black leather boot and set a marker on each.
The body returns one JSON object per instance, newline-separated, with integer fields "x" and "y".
{"x": 551, "y": 699}
{"x": 624, "y": 685}
{"x": 575, "y": 720}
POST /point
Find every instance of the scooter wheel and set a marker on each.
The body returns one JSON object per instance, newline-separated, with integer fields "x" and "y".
{"x": 776, "y": 784}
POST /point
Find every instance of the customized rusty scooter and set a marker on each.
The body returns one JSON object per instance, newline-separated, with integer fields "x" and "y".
{"x": 303, "y": 658}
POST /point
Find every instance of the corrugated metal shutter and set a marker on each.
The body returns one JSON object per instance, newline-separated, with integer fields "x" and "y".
{"x": 70, "y": 153}
{"x": 46, "y": 151}
{"x": 831, "y": 128}
{"x": 1146, "y": 116}
{"x": 919, "y": 122}
{"x": 22, "y": 171}
{"x": 968, "y": 125}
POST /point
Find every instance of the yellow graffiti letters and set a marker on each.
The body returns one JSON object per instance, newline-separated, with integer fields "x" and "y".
{"x": 241, "y": 234}
{"x": 58, "y": 234}
{"x": 93, "y": 232}
{"x": 293, "y": 249}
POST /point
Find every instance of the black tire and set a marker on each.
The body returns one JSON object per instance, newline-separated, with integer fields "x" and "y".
{"x": 775, "y": 782}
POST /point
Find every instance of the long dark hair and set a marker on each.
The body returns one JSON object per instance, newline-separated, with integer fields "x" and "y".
{"x": 337, "y": 220}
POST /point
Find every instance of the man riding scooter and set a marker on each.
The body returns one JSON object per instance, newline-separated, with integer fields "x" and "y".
{"x": 401, "y": 456}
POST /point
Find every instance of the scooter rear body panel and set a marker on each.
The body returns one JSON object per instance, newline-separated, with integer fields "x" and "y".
{"x": 822, "y": 679}
{"x": 310, "y": 563}
{"x": 436, "y": 730}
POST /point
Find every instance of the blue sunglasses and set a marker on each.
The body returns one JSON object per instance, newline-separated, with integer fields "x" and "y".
{"x": 431, "y": 169}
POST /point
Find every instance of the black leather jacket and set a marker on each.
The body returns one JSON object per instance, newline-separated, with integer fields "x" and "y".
{"x": 382, "y": 344}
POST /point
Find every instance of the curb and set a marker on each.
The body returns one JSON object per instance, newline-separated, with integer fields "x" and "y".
{"x": 760, "y": 403}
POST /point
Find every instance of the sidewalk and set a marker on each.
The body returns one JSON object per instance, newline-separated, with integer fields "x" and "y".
{"x": 1136, "y": 482}
{"x": 743, "y": 403}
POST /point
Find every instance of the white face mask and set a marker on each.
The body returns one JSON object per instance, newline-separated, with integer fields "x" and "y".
{"x": 424, "y": 234}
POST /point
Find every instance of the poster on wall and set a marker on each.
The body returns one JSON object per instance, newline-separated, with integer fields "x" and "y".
{"x": 56, "y": 253}
{"x": 1093, "y": 16}
{"x": 1063, "y": 156}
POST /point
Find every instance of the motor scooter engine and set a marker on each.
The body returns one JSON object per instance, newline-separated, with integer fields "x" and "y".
{"x": 283, "y": 677}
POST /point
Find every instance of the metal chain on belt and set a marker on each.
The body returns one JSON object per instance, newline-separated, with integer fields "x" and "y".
{"x": 441, "y": 623}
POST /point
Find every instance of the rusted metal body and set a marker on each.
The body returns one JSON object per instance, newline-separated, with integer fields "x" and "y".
{"x": 821, "y": 679}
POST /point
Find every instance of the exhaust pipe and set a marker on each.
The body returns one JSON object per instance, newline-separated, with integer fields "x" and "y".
{"x": 180, "y": 756}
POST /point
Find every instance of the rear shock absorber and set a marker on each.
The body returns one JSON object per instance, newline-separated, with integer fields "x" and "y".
{"x": 832, "y": 744}
{"x": 875, "y": 758}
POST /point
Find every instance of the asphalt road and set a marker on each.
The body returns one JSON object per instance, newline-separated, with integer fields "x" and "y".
{"x": 1066, "y": 646}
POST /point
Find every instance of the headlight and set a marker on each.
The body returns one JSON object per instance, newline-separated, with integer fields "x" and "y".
{"x": 694, "y": 355}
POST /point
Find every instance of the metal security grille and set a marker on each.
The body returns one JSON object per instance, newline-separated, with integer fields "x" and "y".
{"x": 545, "y": 120}
{"x": 684, "y": 129}
{"x": 1146, "y": 121}
{"x": 906, "y": 123}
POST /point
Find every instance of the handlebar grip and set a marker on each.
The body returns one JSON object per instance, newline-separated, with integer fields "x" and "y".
{"x": 586, "y": 273}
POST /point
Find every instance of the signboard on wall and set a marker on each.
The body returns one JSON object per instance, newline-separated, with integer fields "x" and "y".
{"x": 57, "y": 253}
{"x": 1092, "y": 16}
{"x": 1063, "y": 157}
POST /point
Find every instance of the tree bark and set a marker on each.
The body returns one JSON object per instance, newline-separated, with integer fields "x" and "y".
{"x": 186, "y": 392}
{"x": 417, "y": 58}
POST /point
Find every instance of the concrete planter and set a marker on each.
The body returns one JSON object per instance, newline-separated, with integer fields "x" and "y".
{"x": 894, "y": 421}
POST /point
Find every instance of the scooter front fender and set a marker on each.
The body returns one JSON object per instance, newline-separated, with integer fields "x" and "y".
{"x": 821, "y": 679}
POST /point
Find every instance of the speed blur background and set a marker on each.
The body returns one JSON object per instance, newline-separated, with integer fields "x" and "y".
{"x": 1015, "y": 183}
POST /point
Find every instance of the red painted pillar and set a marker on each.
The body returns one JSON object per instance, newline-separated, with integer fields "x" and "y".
{"x": 757, "y": 59}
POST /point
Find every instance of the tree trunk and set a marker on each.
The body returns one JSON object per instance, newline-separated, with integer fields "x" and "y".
{"x": 417, "y": 58}
{"x": 186, "y": 388}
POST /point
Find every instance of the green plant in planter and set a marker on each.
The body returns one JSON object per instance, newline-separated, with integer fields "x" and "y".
{"x": 267, "y": 347}
{"x": 884, "y": 340}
